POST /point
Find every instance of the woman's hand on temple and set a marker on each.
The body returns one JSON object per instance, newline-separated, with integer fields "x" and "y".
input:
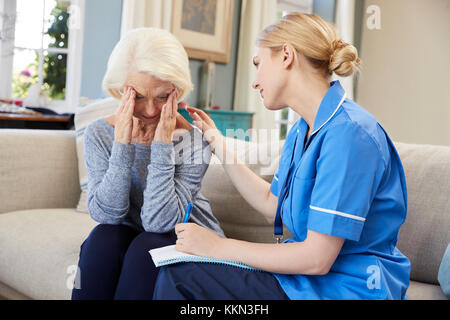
{"x": 168, "y": 119}
{"x": 124, "y": 117}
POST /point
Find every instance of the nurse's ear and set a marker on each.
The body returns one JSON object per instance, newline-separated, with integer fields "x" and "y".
{"x": 289, "y": 56}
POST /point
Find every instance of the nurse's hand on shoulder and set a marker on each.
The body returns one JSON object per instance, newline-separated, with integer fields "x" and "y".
{"x": 197, "y": 240}
{"x": 208, "y": 127}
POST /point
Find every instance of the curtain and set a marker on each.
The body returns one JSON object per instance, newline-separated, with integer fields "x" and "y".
{"x": 144, "y": 13}
{"x": 345, "y": 19}
{"x": 255, "y": 16}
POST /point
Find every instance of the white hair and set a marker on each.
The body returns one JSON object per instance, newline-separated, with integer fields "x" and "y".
{"x": 151, "y": 50}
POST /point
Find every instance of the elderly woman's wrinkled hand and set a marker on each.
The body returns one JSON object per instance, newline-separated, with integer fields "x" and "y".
{"x": 124, "y": 118}
{"x": 168, "y": 119}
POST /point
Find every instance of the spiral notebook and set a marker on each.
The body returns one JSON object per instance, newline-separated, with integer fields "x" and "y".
{"x": 169, "y": 255}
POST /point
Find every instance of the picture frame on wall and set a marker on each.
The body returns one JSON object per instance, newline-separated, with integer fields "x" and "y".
{"x": 204, "y": 27}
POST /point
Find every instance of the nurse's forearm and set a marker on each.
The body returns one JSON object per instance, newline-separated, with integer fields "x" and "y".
{"x": 254, "y": 189}
{"x": 314, "y": 256}
{"x": 284, "y": 258}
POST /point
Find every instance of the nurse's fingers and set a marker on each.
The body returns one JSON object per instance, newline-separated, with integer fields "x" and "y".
{"x": 198, "y": 114}
{"x": 179, "y": 228}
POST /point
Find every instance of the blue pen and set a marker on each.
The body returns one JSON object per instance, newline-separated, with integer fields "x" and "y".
{"x": 188, "y": 212}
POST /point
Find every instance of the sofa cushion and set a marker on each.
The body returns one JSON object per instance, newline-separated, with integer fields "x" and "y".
{"x": 444, "y": 273}
{"x": 424, "y": 291}
{"x": 38, "y": 169}
{"x": 425, "y": 234}
{"x": 38, "y": 247}
{"x": 83, "y": 117}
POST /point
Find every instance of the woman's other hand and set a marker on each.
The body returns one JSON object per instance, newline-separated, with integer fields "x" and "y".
{"x": 124, "y": 118}
{"x": 208, "y": 127}
{"x": 168, "y": 119}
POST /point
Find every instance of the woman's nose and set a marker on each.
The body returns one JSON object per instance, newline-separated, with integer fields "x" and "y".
{"x": 151, "y": 107}
{"x": 255, "y": 85}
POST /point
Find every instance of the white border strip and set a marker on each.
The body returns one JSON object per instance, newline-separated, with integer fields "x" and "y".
{"x": 342, "y": 214}
{"x": 337, "y": 108}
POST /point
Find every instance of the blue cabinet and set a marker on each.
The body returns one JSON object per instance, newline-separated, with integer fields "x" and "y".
{"x": 230, "y": 123}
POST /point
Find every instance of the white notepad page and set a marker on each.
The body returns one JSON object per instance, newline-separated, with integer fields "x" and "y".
{"x": 170, "y": 255}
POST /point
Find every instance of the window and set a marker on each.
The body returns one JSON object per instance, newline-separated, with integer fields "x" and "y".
{"x": 285, "y": 119}
{"x": 37, "y": 50}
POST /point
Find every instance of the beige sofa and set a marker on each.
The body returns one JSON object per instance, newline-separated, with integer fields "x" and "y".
{"x": 41, "y": 232}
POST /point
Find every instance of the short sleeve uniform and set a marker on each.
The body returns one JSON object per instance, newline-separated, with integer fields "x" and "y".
{"x": 346, "y": 180}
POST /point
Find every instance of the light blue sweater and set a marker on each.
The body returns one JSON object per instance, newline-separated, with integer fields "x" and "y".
{"x": 146, "y": 187}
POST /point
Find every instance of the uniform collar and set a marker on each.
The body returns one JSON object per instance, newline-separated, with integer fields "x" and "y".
{"x": 330, "y": 104}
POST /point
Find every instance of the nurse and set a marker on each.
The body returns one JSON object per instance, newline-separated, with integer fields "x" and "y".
{"x": 340, "y": 187}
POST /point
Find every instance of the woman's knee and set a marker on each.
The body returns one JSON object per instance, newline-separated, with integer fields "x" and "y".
{"x": 108, "y": 237}
{"x": 149, "y": 240}
{"x": 145, "y": 241}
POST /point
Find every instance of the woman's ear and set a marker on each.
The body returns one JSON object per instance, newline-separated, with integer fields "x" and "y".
{"x": 288, "y": 54}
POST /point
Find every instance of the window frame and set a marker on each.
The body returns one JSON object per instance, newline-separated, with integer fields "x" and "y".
{"x": 73, "y": 52}
{"x": 284, "y": 6}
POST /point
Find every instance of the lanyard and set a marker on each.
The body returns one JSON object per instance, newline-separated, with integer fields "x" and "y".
{"x": 278, "y": 224}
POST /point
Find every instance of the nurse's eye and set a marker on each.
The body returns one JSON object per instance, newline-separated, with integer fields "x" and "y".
{"x": 139, "y": 97}
{"x": 163, "y": 97}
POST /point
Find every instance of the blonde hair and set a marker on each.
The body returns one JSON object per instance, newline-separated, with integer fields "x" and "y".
{"x": 153, "y": 51}
{"x": 316, "y": 39}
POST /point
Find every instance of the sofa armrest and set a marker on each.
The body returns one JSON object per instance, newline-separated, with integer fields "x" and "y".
{"x": 38, "y": 169}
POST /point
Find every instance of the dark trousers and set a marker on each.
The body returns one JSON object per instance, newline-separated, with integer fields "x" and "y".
{"x": 205, "y": 281}
{"x": 115, "y": 263}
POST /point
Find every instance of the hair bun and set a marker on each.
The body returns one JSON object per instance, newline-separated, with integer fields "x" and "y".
{"x": 344, "y": 60}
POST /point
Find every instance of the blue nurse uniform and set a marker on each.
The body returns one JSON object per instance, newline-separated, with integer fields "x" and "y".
{"x": 346, "y": 180}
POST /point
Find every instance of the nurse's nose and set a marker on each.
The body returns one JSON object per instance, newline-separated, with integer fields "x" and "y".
{"x": 255, "y": 85}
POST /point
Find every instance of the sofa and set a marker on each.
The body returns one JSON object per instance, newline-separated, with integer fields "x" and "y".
{"x": 41, "y": 231}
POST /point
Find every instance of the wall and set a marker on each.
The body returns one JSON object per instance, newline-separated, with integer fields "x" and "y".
{"x": 325, "y": 9}
{"x": 101, "y": 33}
{"x": 225, "y": 73}
{"x": 404, "y": 80}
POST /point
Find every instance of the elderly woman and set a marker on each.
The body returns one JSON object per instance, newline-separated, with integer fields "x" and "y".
{"x": 140, "y": 181}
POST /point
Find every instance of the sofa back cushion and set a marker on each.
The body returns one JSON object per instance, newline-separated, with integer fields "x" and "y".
{"x": 83, "y": 117}
{"x": 425, "y": 234}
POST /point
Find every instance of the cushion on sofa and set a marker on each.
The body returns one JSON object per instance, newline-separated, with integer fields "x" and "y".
{"x": 425, "y": 234}
{"x": 38, "y": 247}
{"x": 34, "y": 173}
{"x": 444, "y": 272}
{"x": 83, "y": 117}
{"x": 424, "y": 291}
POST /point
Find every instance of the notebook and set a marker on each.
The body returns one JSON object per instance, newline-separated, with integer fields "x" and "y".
{"x": 169, "y": 255}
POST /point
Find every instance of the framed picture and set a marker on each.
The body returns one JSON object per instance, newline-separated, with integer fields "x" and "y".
{"x": 204, "y": 27}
